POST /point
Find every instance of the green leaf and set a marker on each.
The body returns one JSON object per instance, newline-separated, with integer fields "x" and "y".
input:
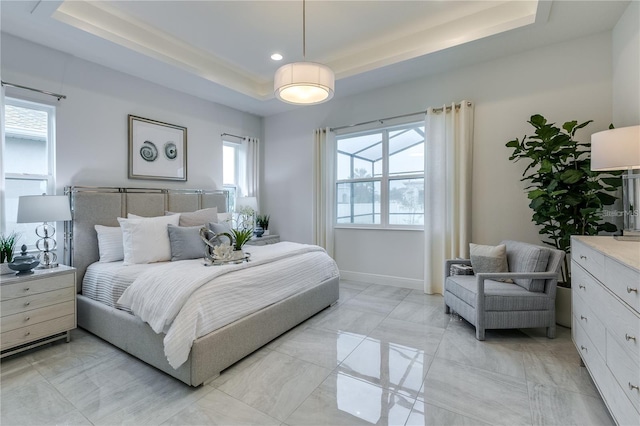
{"x": 571, "y": 176}
{"x": 513, "y": 144}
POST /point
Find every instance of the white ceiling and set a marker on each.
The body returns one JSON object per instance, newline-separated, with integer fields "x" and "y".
{"x": 220, "y": 50}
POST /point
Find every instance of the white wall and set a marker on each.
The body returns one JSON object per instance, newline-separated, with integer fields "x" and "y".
{"x": 91, "y": 133}
{"x": 626, "y": 68}
{"x": 566, "y": 81}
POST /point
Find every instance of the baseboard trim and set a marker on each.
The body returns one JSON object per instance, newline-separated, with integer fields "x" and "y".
{"x": 410, "y": 283}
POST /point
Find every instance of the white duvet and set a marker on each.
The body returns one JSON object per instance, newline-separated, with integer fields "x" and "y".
{"x": 187, "y": 300}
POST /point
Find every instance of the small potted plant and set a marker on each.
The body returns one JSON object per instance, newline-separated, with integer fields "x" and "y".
{"x": 263, "y": 221}
{"x": 7, "y": 248}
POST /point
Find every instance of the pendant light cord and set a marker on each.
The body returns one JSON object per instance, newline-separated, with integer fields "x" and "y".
{"x": 304, "y": 30}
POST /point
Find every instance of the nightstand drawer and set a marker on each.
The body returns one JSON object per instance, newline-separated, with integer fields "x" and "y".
{"x": 37, "y": 331}
{"x": 36, "y": 301}
{"x": 36, "y": 316}
{"x": 36, "y": 286}
{"x": 625, "y": 369}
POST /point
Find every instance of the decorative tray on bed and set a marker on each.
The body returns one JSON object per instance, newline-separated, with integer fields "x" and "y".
{"x": 245, "y": 257}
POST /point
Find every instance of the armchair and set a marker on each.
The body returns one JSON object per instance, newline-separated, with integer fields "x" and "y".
{"x": 528, "y": 301}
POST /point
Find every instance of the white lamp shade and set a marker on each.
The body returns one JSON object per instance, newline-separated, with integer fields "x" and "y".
{"x": 43, "y": 208}
{"x": 304, "y": 83}
{"x": 242, "y": 202}
{"x": 616, "y": 149}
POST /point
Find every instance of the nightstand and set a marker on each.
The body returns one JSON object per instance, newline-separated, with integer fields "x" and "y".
{"x": 264, "y": 240}
{"x": 36, "y": 309}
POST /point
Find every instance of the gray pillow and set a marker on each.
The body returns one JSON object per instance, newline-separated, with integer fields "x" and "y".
{"x": 488, "y": 258}
{"x": 219, "y": 228}
{"x": 185, "y": 242}
{"x": 523, "y": 257}
{"x": 197, "y": 218}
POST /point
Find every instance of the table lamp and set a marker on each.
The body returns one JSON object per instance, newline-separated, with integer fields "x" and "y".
{"x": 44, "y": 208}
{"x": 619, "y": 149}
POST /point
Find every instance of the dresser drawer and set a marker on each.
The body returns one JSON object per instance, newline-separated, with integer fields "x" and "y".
{"x": 625, "y": 369}
{"x": 37, "y": 331}
{"x": 35, "y": 316}
{"x": 623, "y": 281}
{"x": 614, "y": 397}
{"x": 585, "y": 286}
{"x": 36, "y": 301}
{"x": 36, "y": 286}
{"x": 591, "y": 260}
{"x": 591, "y": 325}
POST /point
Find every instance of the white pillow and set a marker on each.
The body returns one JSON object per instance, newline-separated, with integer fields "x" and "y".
{"x": 110, "y": 243}
{"x": 146, "y": 240}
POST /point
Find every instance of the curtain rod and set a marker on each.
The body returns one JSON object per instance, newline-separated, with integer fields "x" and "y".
{"x": 55, "y": 95}
{"x": 381, "y": 120}
{"x": 235, "y": 136}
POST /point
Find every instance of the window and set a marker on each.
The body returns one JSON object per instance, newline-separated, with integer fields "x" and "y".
{"x": 380, "y": 177}
{"x": 29, "y": 159}
{"x": 230, "y": 171}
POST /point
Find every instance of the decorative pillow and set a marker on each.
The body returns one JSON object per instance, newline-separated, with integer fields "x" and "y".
{"x": 185, "y": 242}
{"x": 523, "y": 257}
{"x": 219, "y": 228}
{"x": 225, "y": 217}
{"x": 146, "y": 240}
{"x": 110, "y": 243}
{"x": 197, "y": 218}
{"x": 489, "y": 259}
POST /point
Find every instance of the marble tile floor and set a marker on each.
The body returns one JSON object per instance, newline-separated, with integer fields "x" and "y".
{"x": 382, "y": 355}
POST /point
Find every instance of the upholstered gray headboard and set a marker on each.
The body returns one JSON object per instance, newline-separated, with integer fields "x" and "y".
{"x": 102, "y": 206}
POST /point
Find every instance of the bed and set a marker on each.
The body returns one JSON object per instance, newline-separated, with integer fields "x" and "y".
{"x": 209, "y": 354}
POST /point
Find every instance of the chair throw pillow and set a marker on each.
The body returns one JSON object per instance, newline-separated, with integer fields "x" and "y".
{"x": 524, "y": 257}
{"x": 489, "y": 259}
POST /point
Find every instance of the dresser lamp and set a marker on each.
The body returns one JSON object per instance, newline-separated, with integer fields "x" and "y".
{"x": 619, "y": 149}
{"x": 44, "y": 208}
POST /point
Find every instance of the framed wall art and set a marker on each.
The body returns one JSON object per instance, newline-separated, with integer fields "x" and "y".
{"x": 157, "y": 150}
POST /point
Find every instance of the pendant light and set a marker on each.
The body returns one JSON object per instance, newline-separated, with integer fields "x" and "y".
{"x": 304, "y": 83}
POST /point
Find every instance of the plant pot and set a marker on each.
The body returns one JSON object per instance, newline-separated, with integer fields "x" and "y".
{"x": 266, "y": 232}
{"x": 563, "y": 306}
{"x": 4, "y": 269}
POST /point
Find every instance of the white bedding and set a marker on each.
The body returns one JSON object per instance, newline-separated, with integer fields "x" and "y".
{"x": 187, "y": 300}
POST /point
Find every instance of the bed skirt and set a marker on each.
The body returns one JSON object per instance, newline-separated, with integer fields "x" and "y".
{"x": 217, "y": 350}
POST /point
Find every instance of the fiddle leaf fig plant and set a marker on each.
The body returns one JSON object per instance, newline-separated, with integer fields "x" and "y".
{"x": 567, "y": 197}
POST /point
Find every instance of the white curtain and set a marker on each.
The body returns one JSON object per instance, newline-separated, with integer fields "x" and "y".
{"x": 447, "y": 189}
{"x": 323, "y": 188}
{"x": 249, "y": 165}
{"x": 2, "y": 156}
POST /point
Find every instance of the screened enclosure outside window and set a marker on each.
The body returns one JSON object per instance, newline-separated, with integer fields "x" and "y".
{"x": 380, "y": 177}
{"x": 28, "y": 160}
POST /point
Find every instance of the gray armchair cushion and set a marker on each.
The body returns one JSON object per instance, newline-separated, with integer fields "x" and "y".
{"x": 523, "y": 257}
{"x": 499, "y": 296}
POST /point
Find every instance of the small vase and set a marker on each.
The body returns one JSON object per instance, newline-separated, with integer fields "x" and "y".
{"x": 258, "y": 231}
{"x": 237, "y": 255}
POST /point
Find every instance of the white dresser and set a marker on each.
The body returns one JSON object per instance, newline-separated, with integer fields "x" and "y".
{"x": 606, "y": 319}
{"x": 37, "y": 308}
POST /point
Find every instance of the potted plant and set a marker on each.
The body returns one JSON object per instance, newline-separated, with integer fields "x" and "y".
{"x": 262, "y": 220}
{"x": 567, "y": 197}
{"x": 7, "y": 248}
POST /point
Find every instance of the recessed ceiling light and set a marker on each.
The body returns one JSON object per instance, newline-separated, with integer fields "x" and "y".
{"x": 276, "y": 57}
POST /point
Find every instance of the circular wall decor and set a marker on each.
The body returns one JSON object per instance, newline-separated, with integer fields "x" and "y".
{"x": 148, "y": 151}
{"x": 170, "y": 150}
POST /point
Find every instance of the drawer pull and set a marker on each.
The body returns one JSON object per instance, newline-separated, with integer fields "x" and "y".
{"x": 626, "y": 336}
{"x": 28, "y": 318}
{"x": 632, "y": 387}
{"x": 28, "y": 333}
{"x": 581, "y": 286}
{"x": 582, "y": 317}
{"x": 629, "y": 289}
{"x": 27, "y": 303}
{"x": 27, "y": 289}
{"x": 583, "y": 257}
{"x": 583, "y": 348}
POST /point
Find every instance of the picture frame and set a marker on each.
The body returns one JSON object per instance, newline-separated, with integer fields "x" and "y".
{"x": 157, "y": 150}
